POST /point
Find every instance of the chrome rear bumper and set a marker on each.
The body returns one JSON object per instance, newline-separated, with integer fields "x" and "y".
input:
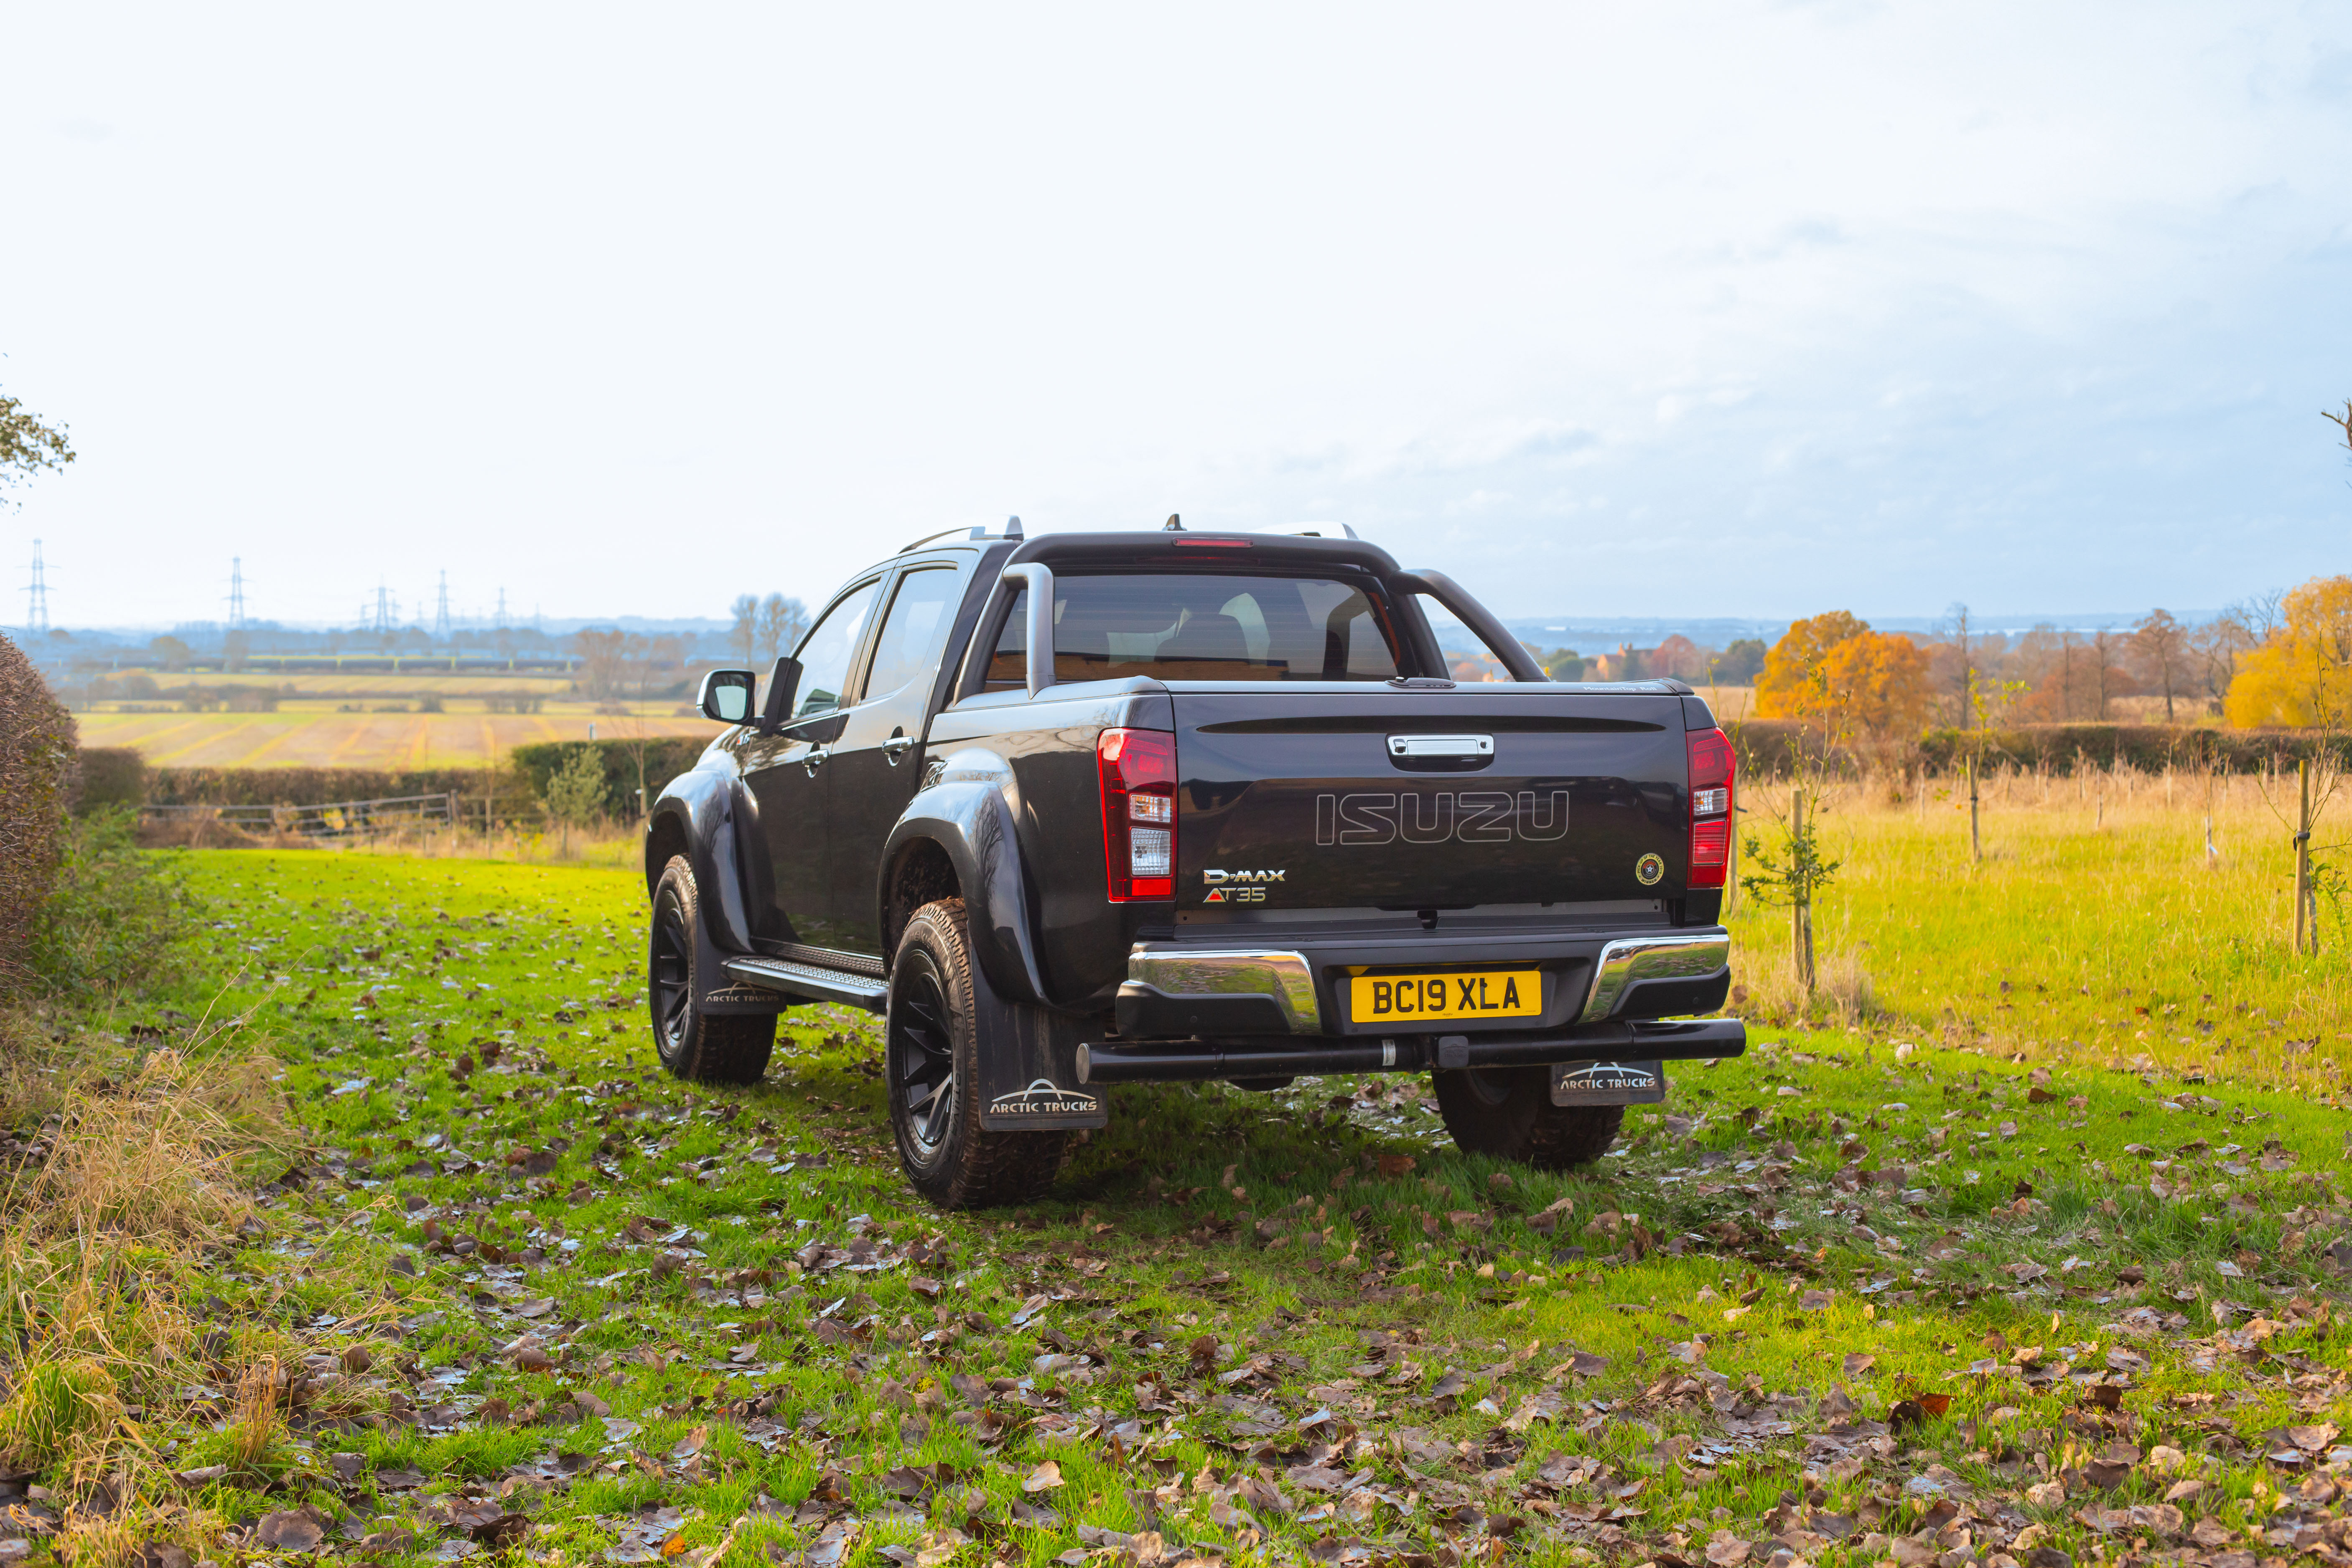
{"x": 1256, "y": 990}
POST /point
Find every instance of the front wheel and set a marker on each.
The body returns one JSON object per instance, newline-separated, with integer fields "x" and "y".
{"x": 930, "y": 1056}
{"x": 1508, "y": 1112}
{"x": 727, "y": 1048}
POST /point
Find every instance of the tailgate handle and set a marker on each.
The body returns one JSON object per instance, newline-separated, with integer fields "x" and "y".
{"x": 1440, "y": 745}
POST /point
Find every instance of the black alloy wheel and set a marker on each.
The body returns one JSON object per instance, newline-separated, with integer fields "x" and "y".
{"x": 922, "y": 1049}
{"x": 729, "y": 1047}
{"x": 670, "y": 971}
{"x": 930, "y": 1065}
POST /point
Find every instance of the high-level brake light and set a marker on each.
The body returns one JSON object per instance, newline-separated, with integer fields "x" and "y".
{"x": 1713, "y": 774}
{"x": 1137, "y": 770}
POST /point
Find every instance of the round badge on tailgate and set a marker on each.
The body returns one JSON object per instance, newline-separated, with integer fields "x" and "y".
{"x": 1649, "y": 869}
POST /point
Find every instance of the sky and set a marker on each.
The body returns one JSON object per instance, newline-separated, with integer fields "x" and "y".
{"x": 1688, "y": 309}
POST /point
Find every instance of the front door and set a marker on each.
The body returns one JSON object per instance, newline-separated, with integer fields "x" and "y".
{"x": 876, "y": 762}
{"x": 787, "y": 773}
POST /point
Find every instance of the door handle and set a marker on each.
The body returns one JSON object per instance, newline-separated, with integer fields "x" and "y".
{"x": 896, "y": 748}
{"x": 815, "y": 758}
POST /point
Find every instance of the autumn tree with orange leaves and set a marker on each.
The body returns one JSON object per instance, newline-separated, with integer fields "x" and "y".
{"x": 1834, "y": 670}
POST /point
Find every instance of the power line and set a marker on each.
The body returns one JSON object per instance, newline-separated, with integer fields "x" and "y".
{"x": 37, "y": 598}
{"x": 237, "y": 593}
{"x": 441, "y": 612}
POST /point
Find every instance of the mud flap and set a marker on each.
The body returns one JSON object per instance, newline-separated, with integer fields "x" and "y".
{"x": 1029, "y": 1066}
{"x": 1608, "y": 1083}
{"x": 723, "y": 995}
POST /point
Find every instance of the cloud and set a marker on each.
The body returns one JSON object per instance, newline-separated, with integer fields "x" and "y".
{"x": 1727, "y": 309}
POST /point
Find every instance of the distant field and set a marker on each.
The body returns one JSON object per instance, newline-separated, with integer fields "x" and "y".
{"x": 294, "y": 738}
{"x": 362, "y": 683}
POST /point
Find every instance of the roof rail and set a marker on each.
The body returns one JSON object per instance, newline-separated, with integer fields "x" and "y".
{"x": 1012, "y": 531}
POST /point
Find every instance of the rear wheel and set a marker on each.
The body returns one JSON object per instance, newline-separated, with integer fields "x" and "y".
{"x": 1508, "y": 1112}
{"x": 930, "y": 1057}
{"x": 726, "y": 1049}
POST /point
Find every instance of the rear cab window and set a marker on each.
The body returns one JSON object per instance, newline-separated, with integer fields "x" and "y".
{"x": 1206, "y": 626}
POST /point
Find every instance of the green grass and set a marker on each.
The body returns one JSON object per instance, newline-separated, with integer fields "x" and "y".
{"x": 2094, "y": 929}
{"x": 750, "y": 1322}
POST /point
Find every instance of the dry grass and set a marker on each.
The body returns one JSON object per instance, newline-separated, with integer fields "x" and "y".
{"x": 151, "y": 1158}
{"x": 133, "y": 1167}
{"x": 2097, "y": 926}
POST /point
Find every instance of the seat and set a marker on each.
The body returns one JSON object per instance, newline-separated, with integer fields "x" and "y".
{"x": 1207, "y": 639}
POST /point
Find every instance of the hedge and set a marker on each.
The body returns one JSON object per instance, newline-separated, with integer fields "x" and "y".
{"x": 109, "y": 775}
{"x": 664, "y": 759}
{"x": 37, "y": 757}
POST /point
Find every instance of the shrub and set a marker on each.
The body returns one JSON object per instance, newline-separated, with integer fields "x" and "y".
{"x": 113, "y": 913}
{"x": 666, "y": 757}
{"x": 110, "y": 776}
{"x": 37, "y": 764}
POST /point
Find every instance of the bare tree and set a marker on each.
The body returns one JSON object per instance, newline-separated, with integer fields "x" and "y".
{"x": 743, "y": 636}
{"x": 2103, "y": 647}
{"x": 783, "y": 622}
{"x": 2262, "y": 615}
{"x": 604, "y": 660}
{"x": 2161, "y": 657}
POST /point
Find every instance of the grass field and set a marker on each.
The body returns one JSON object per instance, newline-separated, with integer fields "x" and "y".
{"x": 2097, "y": 928}
{"x": 322, "y": 737}
{"x": 1860, "y": 1297}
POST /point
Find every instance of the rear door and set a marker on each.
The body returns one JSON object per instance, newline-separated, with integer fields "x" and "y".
{"x": 1382, "y": 798}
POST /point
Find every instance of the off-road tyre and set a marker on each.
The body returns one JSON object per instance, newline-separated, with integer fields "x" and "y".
{"x": 725, "y": 1049}
{"x": 931, "y": 1060}
{"x": 1508, "y": 1112}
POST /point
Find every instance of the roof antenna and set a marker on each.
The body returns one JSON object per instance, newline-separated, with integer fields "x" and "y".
{"x": 1175, "y": 524}
{"x": 1013, "y": 528}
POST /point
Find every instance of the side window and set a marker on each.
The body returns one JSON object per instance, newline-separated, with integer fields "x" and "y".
{"x": 827, "y": 652}
{"x": 1008, "y": 662}
{"x": 918, "y": 610}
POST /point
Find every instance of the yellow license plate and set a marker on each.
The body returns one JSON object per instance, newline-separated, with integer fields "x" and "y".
{"x": 1414, "y": 998}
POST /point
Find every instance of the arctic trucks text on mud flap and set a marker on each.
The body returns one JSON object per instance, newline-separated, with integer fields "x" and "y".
{"x": 1239, "y": 825}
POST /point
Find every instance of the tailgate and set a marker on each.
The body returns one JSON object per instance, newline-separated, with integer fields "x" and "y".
{"x": 1373, "y": 797}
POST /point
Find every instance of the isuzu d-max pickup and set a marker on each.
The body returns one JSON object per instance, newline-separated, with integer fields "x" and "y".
{"x": 1238, "y": 825}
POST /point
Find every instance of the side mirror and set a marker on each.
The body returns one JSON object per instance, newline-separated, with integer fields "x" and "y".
{"x": 727, "y": 696}
{"x": 784, "y": 684}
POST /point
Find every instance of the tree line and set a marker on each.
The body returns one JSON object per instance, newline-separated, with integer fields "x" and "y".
{"x": 2278, "y": 660}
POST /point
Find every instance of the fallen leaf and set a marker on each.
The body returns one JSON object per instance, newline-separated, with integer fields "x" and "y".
{"x": 1856, "y": 1363}
{"x": 1045, "y": 1477}
{"x": 290, "y": 1531}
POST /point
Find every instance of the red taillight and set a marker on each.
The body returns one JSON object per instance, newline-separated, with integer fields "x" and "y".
{"x": 1137, "y": 769}
{"x": 1714, "y": 772}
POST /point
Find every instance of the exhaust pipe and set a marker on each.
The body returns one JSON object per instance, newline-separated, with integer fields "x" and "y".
{"x": 1188, "y": 1062}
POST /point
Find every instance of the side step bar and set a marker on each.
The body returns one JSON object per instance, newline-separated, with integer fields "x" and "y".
{"x": 808, "y": 980}
{"x": 1179, "y": 1062}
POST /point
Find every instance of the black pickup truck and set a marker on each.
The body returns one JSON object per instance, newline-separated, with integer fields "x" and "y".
{"x": 1240, "y": 826}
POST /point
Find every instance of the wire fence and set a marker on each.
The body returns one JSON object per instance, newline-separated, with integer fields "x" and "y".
{"x": 332, "y": 820}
